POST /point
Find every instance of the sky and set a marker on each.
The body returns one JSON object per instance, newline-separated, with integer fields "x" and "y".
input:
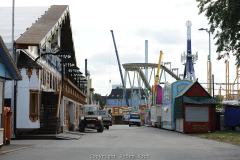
{"x": 162, "y": 23}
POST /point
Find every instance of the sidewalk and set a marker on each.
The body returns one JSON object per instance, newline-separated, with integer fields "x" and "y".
{"x": 16, "y": 145}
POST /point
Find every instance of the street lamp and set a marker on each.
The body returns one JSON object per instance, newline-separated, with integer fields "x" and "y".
{"x": 106, "y": 99}
{"x": 209, "y": 58}
{"x": 62, "y": 54}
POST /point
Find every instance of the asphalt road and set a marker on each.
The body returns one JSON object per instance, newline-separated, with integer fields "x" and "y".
{"x": 123, "y": 142}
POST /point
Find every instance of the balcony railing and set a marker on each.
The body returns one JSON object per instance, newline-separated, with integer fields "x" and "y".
{"x": 70, "y": 90}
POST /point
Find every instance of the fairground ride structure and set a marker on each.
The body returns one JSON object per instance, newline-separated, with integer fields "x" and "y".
{"x": 189, "y": 59}
{"x": 139, "y": 74}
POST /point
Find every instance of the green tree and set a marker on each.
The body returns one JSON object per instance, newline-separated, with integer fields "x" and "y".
{"x": 224, "y": 15}
{"x": 220, "y": 107}
{"x": 217, "y": 96}
{"x": 97, "y": 97}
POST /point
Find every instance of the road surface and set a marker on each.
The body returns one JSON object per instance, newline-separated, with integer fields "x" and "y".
{"x": 124, "y": 142}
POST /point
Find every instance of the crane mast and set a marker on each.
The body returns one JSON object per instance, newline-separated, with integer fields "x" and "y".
{"x": 119, "y": 65}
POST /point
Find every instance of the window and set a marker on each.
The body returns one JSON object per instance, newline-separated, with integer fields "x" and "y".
{"x": 54, "y": 82}
{"x": 33, "y": 105}
{"x": 7, "y": 102}
{"x": 134, "y": 116}
{"x": 101, "y": 112}
{"x": 44, "y": 81}
{"x": 51, "y": 80}
{"x": 196, "y": 114}
{"x": 47, "y": 78}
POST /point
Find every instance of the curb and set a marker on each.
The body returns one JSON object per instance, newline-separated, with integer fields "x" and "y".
{"x": 13, "y": 150}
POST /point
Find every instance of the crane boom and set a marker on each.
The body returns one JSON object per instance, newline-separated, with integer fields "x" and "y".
{"x": 119, "y": 65}
{"x": 159, "y": 65}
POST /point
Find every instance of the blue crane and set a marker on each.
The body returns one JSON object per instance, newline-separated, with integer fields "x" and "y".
{"x": 119, "y": 65}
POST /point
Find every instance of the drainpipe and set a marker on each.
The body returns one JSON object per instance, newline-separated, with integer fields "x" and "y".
{"x": 15, "y": 109}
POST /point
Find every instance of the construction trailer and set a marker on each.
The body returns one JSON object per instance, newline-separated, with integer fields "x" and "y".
{"x": 156, "y": 115}
{"x": 157, "y": 108}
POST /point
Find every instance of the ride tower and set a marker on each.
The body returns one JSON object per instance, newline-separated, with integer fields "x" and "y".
{"x": 189, "y": 59}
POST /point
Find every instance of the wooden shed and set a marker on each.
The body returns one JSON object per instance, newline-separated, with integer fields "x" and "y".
{"x": 194, "y": 110}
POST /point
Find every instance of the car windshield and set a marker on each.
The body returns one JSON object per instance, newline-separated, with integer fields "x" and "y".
{"x": 132, "y": 116}
{"x": 90, "y": 110}
{"x": 101, "y": 112}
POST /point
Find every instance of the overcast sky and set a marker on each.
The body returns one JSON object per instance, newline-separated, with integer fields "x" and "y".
{"x": 162, "y": 23}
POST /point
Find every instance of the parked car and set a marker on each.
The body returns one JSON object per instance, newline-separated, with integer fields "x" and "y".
{"x": 135, "y": 120}
{"x": 106, "y": 117}
{"x": 91, "y": 119}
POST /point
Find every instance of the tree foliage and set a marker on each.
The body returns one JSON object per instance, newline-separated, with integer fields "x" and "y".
{"x": 224, "y": 17}
{"x": 97, "y": 97}
{"x": 218, "y": 96}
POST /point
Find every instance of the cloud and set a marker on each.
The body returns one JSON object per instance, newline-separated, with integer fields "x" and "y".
{"x": 162, "y": 36}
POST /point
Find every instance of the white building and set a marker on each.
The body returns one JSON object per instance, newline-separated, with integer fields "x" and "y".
{"x": 42, "y": 102}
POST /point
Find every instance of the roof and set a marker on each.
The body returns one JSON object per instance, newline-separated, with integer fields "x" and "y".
{"x": 25, "y": 61}
{"x": 199, "y": 100}
{"x": 188, "y": 87}
{"x": 41, "y": 32}
{"x": 37, "y": 32}
{"x": 8, "y": 61}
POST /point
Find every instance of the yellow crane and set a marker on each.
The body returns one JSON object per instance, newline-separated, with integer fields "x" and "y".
{"x": 158, "y": 70}
{"x": 154, "y": 88}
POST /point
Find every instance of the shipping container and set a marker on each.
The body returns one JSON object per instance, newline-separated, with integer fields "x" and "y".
{"x": 232, "y": 118}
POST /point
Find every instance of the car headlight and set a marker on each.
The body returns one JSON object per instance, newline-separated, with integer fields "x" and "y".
{"x": 99, "y": 117}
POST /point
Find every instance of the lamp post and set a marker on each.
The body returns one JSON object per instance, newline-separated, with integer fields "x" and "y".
{"x": 62, "y": 54}
{"x": 210, "y": 76}
{"x": 106, "y": 99}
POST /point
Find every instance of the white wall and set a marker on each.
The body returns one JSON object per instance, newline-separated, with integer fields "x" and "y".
{"x": 23, "y": 100}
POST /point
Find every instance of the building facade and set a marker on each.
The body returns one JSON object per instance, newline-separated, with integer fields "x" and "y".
{"x": 116, "y": 98}
{"x": 8, "y": 71}
{"x": 50, "y": 95}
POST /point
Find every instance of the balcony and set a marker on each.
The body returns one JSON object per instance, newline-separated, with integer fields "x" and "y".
{"x": 71, "y": 91}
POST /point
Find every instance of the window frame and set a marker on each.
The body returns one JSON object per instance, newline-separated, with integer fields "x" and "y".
{"x": 33, "y": 116}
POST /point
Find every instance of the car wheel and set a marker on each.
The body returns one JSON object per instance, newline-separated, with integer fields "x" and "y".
{"x": 100, "y": 129}
{"x": 81, "y": 127}
{"x": 107, "y": 127}
{"x": 237, "y": 128}
{"x": 129, "y": 125}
